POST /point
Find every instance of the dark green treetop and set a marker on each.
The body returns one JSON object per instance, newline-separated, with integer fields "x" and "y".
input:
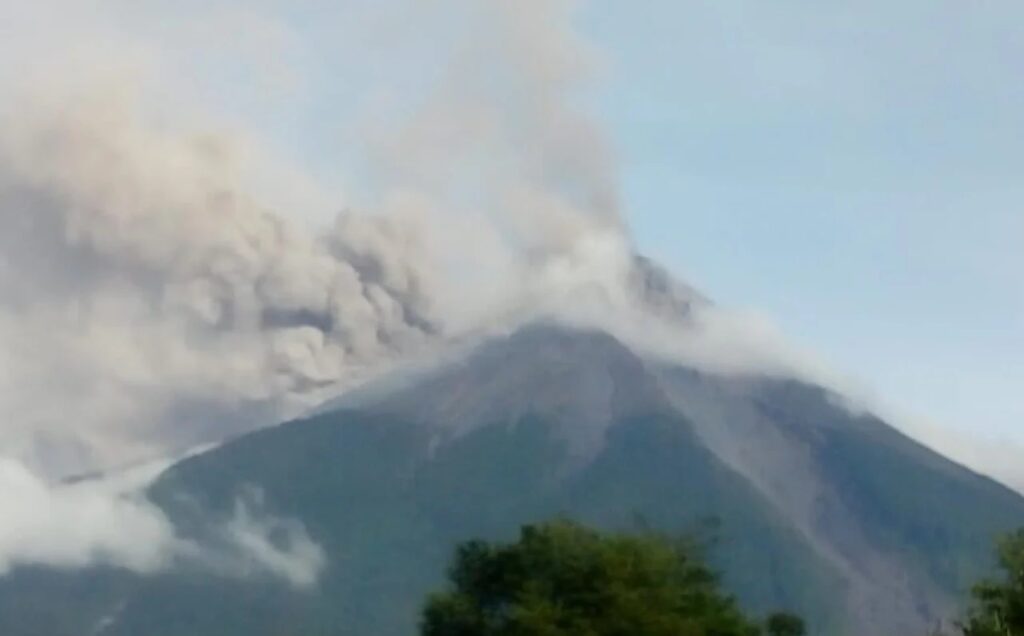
{"x": 998, "y": 605}
{"x": 785, "y": 624}
{"x": 561, "y": 579}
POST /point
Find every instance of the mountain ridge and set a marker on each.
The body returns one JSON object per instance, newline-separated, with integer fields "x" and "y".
{"x": 587, "y": 381}
{"x": 819, "y": 510}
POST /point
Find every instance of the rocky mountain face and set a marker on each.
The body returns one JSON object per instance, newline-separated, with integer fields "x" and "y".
{"x": 806, "y": 505}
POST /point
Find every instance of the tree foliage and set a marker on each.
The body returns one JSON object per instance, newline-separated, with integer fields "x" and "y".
{"x": 561, "y": 579}
{"x": 785, "y": 624}
{"x": 998, "y": 605}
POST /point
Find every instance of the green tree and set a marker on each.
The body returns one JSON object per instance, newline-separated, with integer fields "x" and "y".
{"x": 785, "y": 624}
{"x": 998, "y": 605}
{"x": 561, "y": 579}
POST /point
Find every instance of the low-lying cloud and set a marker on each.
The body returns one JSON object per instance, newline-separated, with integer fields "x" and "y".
{"x": 80, "y": 524}
{"x": 108, "y": 521}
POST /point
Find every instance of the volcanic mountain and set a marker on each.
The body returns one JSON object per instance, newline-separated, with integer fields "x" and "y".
{"x": 806, "y": 504}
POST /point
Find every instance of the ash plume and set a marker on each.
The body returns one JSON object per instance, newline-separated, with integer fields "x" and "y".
{"x": 165, "y": 281}
{"x": 149, "y": 289}
{"x": 136, "y": 264}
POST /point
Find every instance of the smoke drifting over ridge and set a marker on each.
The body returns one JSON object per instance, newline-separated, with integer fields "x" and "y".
{"x": 153, "y": 299}
{"x": 162, "y": 284}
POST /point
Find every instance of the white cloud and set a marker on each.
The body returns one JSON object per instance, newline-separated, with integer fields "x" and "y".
{"x": 108, "y": 521}
{"x": 77, "y": 525}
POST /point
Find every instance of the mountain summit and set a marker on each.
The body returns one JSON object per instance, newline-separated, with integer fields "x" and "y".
{"x": 813, "y": 508}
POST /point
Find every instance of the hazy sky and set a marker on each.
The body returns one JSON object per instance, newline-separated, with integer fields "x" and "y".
{"x": 854, "y": 170}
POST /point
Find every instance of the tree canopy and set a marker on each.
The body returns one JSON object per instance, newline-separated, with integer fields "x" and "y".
{"x": 998, "y": 605}
{"x": 785, "y": 624}
{"x": 560, "y": 578}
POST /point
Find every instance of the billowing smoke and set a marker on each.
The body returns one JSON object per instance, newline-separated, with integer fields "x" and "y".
{"x": 167, "y": 281}
{"x": 153, "y": 297}
{"x": 143, "y": 284}
{"x": 151, "y": 303}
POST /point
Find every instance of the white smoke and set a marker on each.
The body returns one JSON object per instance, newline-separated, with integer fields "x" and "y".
{"x": 80, "y": 524}
{"x": 106, "y": 521}
{"x": 257, "y": 543}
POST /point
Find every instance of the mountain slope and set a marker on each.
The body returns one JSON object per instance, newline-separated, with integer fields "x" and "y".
{"x": 816, "y": 509}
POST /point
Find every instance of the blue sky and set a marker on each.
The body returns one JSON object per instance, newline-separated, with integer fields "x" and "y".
{"x": 853, "y": 170}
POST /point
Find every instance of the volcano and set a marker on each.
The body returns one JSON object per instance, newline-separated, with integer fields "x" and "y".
{"x": 804, "y": 504}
